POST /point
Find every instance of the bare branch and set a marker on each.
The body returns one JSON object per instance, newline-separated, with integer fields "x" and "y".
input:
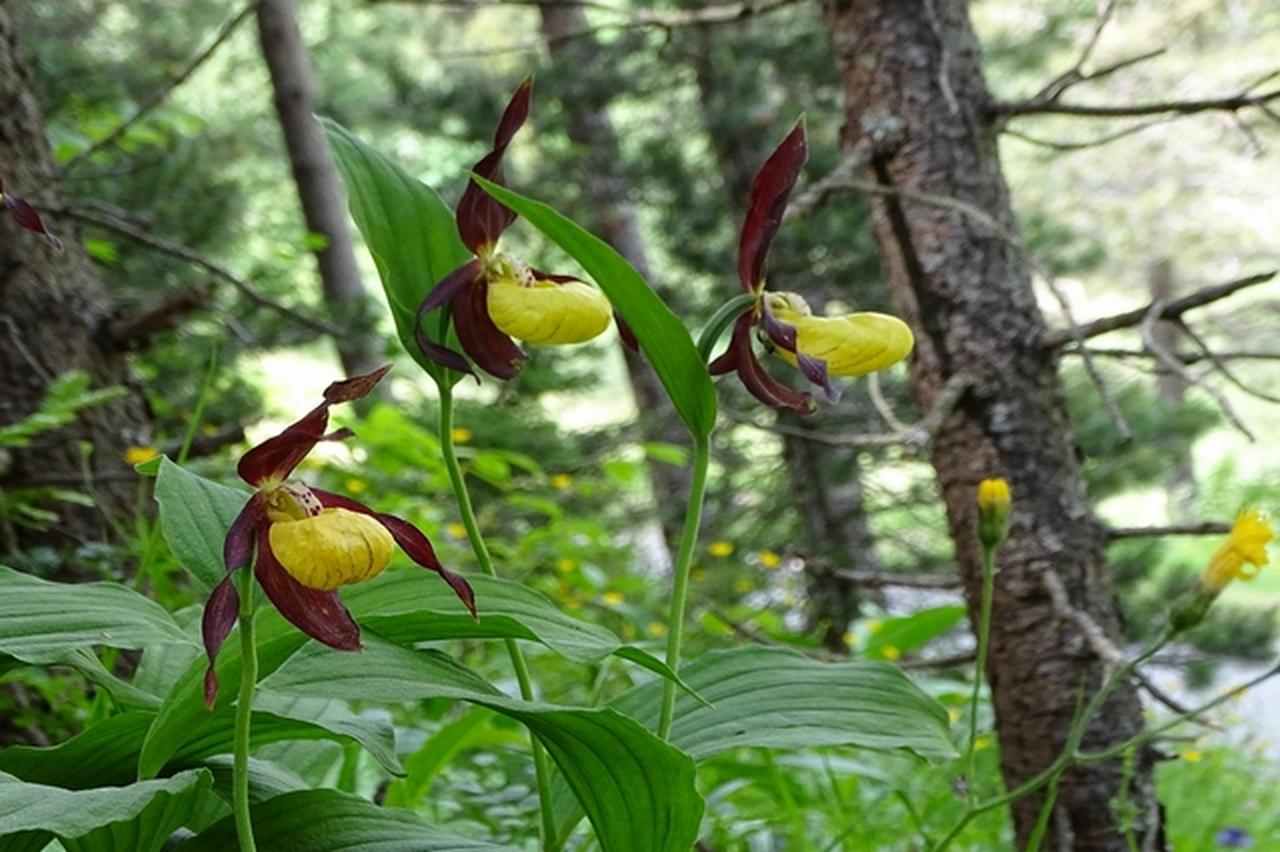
{"x": 1231, "y": 103}
{"x": 190, "y": 255}
{"x": 1221, "y": 367}
{"x": 1173, "y": 309}
{"x": 880, "y": 579}
{"x": 1075, "y": 74}
{"x": 159, "y": 96}
{"x": 1184, "y": 357}
{"x": 1068, "y": 147}
{"x": 1200, "y": 528}
{"x": 1149, "y": 340}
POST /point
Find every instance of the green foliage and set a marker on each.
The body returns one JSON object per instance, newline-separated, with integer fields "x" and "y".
{"x": 195, "y": 514}
{"x": 64, "y": 398}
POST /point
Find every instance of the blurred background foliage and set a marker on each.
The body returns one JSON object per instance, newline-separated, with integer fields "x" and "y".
{"x": 561, "y": 471}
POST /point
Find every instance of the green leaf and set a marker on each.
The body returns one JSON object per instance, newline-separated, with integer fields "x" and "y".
{"x": 637, "y": 791}
{"x": 43, "y": 622}
{"x": 423, "y": 766}
{"x": 330, "y": 821}
{"x": 664, "y": 339}
{"x": 774, "y": 698}
{"x": 908, "y": 632}
{"x": 408, "y": 230}
{"x": 146, "y": 812}
{"x": 195, "y": 514}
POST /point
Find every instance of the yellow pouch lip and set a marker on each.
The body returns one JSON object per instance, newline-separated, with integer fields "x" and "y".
{"x": 548, "y": 313}
{"x": 336, "y": 547}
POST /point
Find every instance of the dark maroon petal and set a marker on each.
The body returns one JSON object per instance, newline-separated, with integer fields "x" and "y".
{"x": 815, "y": 370}
{"x": 449, "y": 287}
{"x": 220, "y": 613}
{"x": 237, "y": 547}
{"x": 277, "y": 456}
{"x": 624, "y": 331}
{"x": 728, "y": 360}
{"x": 769, "y": 195}
{"x": 318, "y": 614}
{"x": 411, "y": 540}
{"x": 482, "y": 218}
{"x": 442, "y": 355}
{"x": 487, "y": 346}
{"x": 780, "y": 334}
{"x": 559, "y": 279}
{"x": 763, "y": 386}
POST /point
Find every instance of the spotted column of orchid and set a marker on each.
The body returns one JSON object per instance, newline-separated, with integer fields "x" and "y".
{"x": 494, "y": 297}
{"x": 309, "y": 542}
{"x": 821, "y": 347}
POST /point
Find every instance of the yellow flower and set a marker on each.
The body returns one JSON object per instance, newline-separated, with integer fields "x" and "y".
{"x": 561, "y": 481}
{"x": 769, "y": 559}
{"x": 656, "y": 629}
{"x": 612, "y": 598}
{"x": 357, "y": 486}
{"x": 564, "y": 566}
{"x": 138, "y": 455}
{"x": 891, "y": 652}
{"x": 954, "y": 715}
{"x": 334, "y": 548}
{"x": 851, "y": 345}
{"x": 993, "y": 511}
{"x": 1245, "y": 546}
{"x": 537, "y": 310}
{"x": 455, "y": 530}
{"x": 850, "y": 639}
{"x": 982, "y": 743}
{"x": 461, "y": 434}
{"x": 874, "y": 626}
{"x": 742, "y": 586}
{"x": 720, "y": 548}
{"x": 1191, "y": 755}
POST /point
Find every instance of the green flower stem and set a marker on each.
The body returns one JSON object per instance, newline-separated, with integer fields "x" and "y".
{"x": 244, "y": 711}
{"x": 980, "y": 669}
{"x": 541, "y": 766}
{"x": 680, "y": 592}
{"x": 1070, "y": 754}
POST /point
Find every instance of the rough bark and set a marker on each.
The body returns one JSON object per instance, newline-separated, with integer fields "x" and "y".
{"x": 54, "y": 318}
{"x": 610, "y": 213}
{"x": 319, "y": 189}
{"x": 912, "y": 78}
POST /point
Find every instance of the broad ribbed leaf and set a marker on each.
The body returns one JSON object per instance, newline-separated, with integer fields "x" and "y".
{"x": 405, "y": 606}
{"x": 330, "y": 821}
{"x": 408, "y": 230}
{"x": 423, "y": 765}
{"x": 145, "y": 812}
{"x": 637, "y": 791}
{"x": 194, "y": 516}
{"x": 664, "y": 339}
{"x": 775, "y": 698}
{"x": 42, "y": 621}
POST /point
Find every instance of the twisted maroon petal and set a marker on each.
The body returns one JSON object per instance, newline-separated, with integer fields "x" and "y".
{"x": 237, "y": 547}
{"x": 769, "y": 194}
{"x": 449, "y": 287}
{"x": 488, "y": 347}
{"x": 27, "y": 216}
{"x": 728, "y": 360}
{"x": 815, "y": 370}
{"x": 277, "y": 456}
{"x": 318, "y": 614}
{"x": 482, "y": 218}
{"x": 781, "y": 334}
{"x": 757, "y": 380}
{"x": 220, "y": 614}
{"x": 411, "y": 540}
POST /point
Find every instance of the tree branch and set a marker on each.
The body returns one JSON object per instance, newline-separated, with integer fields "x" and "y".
{"x": 1200, "y": 528}
{"x": 1172, "y": 309}
{"x": 1231, "y": 103}
{"x": 128, "y": 332}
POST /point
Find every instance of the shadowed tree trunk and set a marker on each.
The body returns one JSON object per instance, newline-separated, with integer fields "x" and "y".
{"x": 914, "y": 91}
{"x": 610, "y": 213}
{"x": 319, "y": 189}
{"x": 54, "y": 313}
{"x": 1172, "y": 388}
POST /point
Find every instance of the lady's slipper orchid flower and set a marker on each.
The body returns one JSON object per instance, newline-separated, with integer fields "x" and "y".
{"x": 821, "y": 347}
{"x": 494, "y": 297}
{"x": 309, "y": 542}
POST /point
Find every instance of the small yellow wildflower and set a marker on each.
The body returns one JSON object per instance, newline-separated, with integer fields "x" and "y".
{"x": 561, "y": 481}
{"x": 612, "y": 598}
{"x": 874, "y": 626}
{"x": 461, "y": 434}
{"x": 455, "y": 530}
{"x": 850, "y": 639}
{"x": 1246, "y": 545}
{"x": 357, "y": 486}
{"x": 564, "y": 566}
{"x": 720, "y": 548}
{"x": 138, "y": 455}
{"x": 1192, "y": 755}
{"x": 981, "y": 743}
{"x": 656, "y": 629}
{"x": 743, "y": 586}
{"x": 769, "y": 559}
{"x": 993, "y": 511}
{"x": 891, "y": 652}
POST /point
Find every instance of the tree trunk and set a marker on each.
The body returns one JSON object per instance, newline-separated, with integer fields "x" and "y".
{"x": 53, "y": 317}
{"x": 319, "y": 189}
{"x": 1180, "y": 483}
{"x": 610, "y": 213}
{"x": 914, "y": 91}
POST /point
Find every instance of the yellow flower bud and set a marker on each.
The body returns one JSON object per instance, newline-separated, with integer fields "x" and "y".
{"x": 993, "y": 511}
{"x": 548, "y": 312}
{"x": 1245, "y": 546}
{"x": 334, "y": 548}
{"x": 851, "y": 345}
{"x": 138, "y": 455}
